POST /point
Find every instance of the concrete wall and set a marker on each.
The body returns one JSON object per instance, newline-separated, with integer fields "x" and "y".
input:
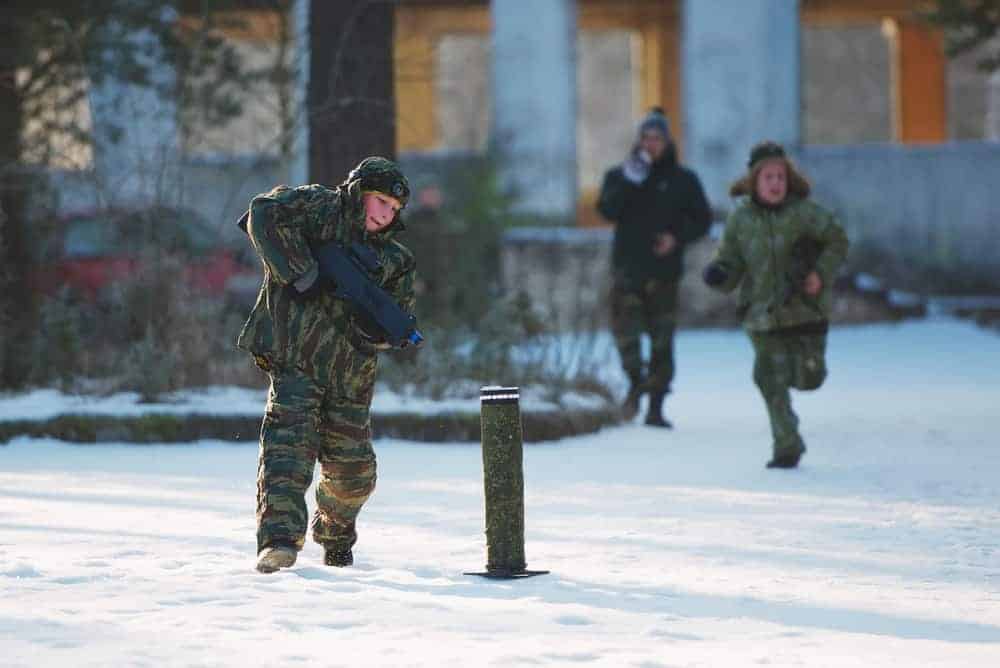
{"x": 929, "y": 215}
{"x": 565, "y": 271}
{"x": 567, "y": 274}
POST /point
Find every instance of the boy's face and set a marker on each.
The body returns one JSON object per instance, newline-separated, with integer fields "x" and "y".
{"x": 380, "y": 210}
{"x": 772, "y": 182}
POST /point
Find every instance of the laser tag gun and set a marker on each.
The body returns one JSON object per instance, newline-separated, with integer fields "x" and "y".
{"x": 353, "y": 270}
{"x": 805, "y": 254}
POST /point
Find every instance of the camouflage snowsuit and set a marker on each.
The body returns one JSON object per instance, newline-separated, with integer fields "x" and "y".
{"x": 787, "y": 327}
{"x": 321, "y": 365}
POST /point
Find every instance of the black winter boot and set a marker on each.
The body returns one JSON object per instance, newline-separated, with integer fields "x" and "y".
{"x": 630, "y": 407}
{"x": 654, "y": 417}
{"x": 339, "y": 558}
{"x": 784, "y": 461}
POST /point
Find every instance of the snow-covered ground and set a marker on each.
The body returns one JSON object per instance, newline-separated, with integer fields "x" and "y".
{"x": 665, "y": 549}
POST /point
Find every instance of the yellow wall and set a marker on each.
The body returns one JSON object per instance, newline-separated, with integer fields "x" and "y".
{"x": 420, "y": 27}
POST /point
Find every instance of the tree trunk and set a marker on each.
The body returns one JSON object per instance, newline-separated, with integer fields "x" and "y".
{"x": 350, "y": 99}
{"x": 16, "y": 301}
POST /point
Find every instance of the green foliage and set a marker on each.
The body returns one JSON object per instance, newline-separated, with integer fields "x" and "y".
{"x": 969, "y": 25}
{"x": 59, "y": 346}
{"x": 457, "y": 245}
{"x": 476, "y": 333}
{"x": 149, "y": 334}
{"x": 148, "y": 367}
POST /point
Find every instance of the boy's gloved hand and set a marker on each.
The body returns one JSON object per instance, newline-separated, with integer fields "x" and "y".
{"x": 636, "y": 166}
{"x": 715, "y": 274}
{"x": 310, "y": 284}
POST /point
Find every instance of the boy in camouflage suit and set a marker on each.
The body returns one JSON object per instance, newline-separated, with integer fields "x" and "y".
{"x": 783, "y": 251}
{"x": 320, "y": 355}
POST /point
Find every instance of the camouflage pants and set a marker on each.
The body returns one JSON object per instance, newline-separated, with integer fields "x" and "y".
{"x": 652, "y": 309}
{"x": 784, "y": 361}
{"x": 304, "y": 423}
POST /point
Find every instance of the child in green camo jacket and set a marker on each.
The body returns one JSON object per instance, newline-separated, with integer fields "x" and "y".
{"x": 783, "y": 251}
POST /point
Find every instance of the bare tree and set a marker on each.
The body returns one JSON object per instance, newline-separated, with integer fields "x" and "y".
{"x": 51, "y": 54}
{"x": 969, "y": 25}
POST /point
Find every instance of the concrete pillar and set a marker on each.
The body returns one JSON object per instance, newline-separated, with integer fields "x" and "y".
{"x": 534, "y": 103}
{"x": 993, "y": 107}
{"x": 740, "y": 71}
{"x": 136, "y": 135}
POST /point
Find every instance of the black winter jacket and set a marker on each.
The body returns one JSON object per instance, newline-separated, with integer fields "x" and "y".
{"x": 672, "y": 200}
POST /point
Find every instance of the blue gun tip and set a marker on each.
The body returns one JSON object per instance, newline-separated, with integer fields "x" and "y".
{"x": 415, "y": 337}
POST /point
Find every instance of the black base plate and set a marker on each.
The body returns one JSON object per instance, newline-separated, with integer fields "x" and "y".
{"x": 501, "y": 575}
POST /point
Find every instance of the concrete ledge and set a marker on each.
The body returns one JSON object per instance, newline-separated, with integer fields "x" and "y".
{"x": 171, "y": 428}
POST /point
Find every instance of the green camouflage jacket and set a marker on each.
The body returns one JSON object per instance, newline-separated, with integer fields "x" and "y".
{"x": 757, "y": 254}
{"x": 315, "y": 331}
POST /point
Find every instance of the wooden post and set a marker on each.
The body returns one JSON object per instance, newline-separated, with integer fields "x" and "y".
{"x": 503, "y": 482}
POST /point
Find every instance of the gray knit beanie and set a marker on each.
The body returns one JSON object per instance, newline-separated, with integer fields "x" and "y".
{"x": 655, "y": 120}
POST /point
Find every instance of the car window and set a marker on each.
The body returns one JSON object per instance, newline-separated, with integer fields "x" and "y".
{"x": 87, "y": 237}
{"x": 168, "y": 230}
{"x": 198, "y": 236}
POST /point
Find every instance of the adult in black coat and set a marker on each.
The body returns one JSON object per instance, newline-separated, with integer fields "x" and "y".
{"x": 658, "y": 208}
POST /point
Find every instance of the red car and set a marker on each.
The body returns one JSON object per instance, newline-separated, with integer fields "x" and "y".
{"x": 91, "y": 251}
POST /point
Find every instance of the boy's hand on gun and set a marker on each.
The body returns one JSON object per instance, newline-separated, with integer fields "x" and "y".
{"x": 715, "y": 274}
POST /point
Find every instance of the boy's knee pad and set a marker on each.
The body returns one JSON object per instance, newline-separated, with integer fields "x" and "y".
{"x": 810, "y": 372}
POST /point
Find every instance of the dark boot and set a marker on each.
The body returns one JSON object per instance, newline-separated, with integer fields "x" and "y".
{"x": 654, "y": 417}
{"x": 785, "y": 461}
{"x": 338, "y": 558}
{"x": 630, "y": 407}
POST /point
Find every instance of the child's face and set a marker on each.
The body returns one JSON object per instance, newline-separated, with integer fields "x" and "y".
{"x": 772, "y": 182}
{"x": 380, "y": 210}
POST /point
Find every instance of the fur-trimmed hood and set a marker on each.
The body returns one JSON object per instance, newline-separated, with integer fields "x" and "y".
{"x": 798, "y": 185}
